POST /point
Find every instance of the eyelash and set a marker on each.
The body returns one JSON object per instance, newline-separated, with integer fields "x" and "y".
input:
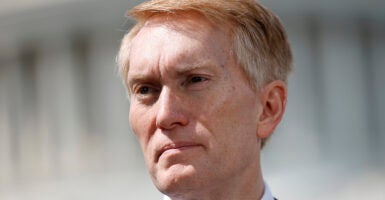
{"x": 201, "y": 79}
{"x": 143, "y": 89}
{"x": 194, "y": 80}
{"x": 146, "y": 90}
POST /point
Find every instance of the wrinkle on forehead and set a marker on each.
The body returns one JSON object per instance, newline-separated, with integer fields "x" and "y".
{"x": 161, "y": 30}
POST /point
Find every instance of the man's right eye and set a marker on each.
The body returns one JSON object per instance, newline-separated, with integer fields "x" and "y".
{"x": 144, "y": 90}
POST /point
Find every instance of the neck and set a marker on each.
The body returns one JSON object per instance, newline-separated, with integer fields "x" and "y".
{"x": 248, "y": 185}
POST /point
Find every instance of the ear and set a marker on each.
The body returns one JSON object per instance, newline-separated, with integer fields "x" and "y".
{"x": 273, "y": 102}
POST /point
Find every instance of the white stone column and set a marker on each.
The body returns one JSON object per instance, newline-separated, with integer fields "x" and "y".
{"x": 60, "y": 124}
{"x": 6, "y": 166}
{"x": 345, "y": 97}
{"x": 378, "y": 44}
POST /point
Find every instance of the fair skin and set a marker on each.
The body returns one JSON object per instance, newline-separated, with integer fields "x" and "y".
{"x": 198, "y": 121}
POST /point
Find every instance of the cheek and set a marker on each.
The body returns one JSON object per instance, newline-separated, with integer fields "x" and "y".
{"x": 133, "y": 120}
{"x": 141, "y": 130}
{"x": 233, "y": 118}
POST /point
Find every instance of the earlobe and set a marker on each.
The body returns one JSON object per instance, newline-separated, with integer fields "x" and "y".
{"x": 273, "y": 101}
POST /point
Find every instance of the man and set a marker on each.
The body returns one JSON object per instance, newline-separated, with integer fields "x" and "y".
{"x": 206, "y": 83}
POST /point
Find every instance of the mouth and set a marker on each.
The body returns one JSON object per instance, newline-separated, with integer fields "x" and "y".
{"x": 176, "y": 147}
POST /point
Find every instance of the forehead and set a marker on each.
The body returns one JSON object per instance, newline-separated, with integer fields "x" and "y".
{"x": 189, "y": 22}
{"x": 170, "y": 38}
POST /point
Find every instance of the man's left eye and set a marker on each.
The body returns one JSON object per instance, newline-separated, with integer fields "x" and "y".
{"x": 196, "y": 82}
{"x": 197, "y": 79}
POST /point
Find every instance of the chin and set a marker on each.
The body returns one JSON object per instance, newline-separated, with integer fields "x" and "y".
{"x": 176, "y": 180}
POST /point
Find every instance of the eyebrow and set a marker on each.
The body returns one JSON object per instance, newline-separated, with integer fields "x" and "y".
{"x": 179, "y": 71}
{"x": 185, "y": 69}
{"x": 137, "y": 78}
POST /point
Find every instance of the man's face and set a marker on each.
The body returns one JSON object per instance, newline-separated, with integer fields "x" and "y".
{"x": 192, "y": 108}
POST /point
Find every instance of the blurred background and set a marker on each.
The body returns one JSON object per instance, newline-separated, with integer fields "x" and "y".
{"x": 64, "y": 130}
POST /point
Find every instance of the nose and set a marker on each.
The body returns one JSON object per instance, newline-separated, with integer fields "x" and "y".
{"x": 171, "y": 111}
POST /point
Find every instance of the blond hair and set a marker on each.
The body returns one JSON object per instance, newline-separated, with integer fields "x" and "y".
{"x": 259, "y": 40}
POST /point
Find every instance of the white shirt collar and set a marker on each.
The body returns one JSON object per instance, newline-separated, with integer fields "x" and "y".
{"x": 266, "y": 194}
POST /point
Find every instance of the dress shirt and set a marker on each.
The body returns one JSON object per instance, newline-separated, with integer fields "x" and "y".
{"x": 266, "y": 194}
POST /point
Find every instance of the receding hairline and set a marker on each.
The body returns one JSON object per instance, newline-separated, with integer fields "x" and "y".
{"x": 178, "y": 18}
{"x": 173, "y": 19}
{"x": 189, "y": 22}
{"x": 145, "y": 11}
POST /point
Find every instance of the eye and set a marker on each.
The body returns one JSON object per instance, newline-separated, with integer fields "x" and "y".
{"x": 144, "y": 91}
{"x": 196, "y": 82}
{"x": 197, "y": 79}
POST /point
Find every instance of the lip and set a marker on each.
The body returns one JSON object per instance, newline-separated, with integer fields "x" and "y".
{"x": 180, "y": 146}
